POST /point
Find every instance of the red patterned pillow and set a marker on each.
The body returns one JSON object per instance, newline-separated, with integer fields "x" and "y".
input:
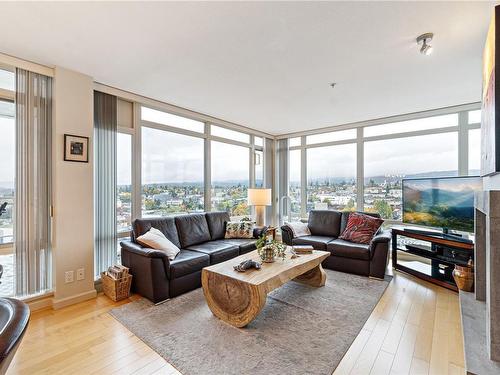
{"x": 360, "y": 228}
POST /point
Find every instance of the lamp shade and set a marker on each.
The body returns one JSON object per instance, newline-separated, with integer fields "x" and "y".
{"x": 259, "y": 197}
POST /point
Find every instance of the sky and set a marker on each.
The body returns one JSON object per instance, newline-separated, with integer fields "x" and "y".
{"x": 171, "y": 157}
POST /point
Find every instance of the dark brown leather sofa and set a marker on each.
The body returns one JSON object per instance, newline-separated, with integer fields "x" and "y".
{"x": 14, "y": 318}
{"x": 201, "y": 240}
{"x": 325, "y": 227}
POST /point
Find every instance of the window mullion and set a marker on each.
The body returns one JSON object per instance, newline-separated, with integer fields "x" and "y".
{"x": 207, "y": 170}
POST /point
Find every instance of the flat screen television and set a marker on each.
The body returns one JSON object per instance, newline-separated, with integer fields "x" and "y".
{"x": 446, "y": 203}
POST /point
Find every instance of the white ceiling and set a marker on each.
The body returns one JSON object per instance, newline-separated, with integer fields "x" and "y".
{"x": 264, "y": 65}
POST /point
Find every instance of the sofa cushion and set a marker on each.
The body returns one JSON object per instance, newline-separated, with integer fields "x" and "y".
{"x": 245, "y": 245}
{"x": 318, "y": 242}
{"x": 187, "y": 262}
{"x": 165, "y": 224}
{"x": 324, "y": 223}
{"x": 219, "y": 251}
{"x": 192, "y": 229}
{"x": 217, "y": 224}
{"x": 346, "y": 249}
{"x": 361, "y": 228}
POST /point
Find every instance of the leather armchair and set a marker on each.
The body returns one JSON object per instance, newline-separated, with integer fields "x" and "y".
{"x": 14, "y": 318}
{"x": 326, "y": 226}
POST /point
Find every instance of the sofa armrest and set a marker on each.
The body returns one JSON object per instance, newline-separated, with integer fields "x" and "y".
{"x": 384, "y": 236}
{"x": 258, "y": 232}
{"x": 150, "y": 269}
{"x": 144, "y": 251}
{"x": 287, "y": 234}
{"x": 379, "y": 251}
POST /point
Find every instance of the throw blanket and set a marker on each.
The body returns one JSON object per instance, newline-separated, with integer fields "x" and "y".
{"x": 299, "y": 229}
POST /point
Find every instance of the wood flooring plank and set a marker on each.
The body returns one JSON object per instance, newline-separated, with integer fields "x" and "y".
{"x": 404, "y": 354}
{"x": 419, "y": 367}
{"x": 85, "y": 339}
{"x": 347, "y": 363}
{"x": 371, "y": 349}
{"x": 383, "y": 363}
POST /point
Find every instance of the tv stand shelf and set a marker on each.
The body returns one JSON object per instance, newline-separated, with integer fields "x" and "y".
{"x": 441, "y": 252}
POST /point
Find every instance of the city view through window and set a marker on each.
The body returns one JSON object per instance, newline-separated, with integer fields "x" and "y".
{"x": 7, "y": 170}
{"x": 230, "y": 178}
{"x": 173, "y": 175}
{"x": 331, "y": 170}
{"x": 173, "y": 169}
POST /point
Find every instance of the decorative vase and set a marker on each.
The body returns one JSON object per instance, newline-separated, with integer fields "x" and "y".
{"x": 267, "y": 254}
{"x": 464, "y": 276}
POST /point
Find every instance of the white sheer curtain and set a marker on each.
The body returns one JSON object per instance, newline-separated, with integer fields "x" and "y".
{"x": 33, "y": 183}
{"x": 105, "y": 125}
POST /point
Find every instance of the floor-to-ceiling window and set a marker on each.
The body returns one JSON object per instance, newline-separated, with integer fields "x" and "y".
{"x": 474, "y": 138}
{"x": 230, "y": 178}
{"x": 362, "y": 168}
{"x": 124, "y": 182}
{"x": 294, "y": 185}
{"x": 172, "y": 173}
{"x": 189, "y": 165}
{"x": 7, "y": 179}
{"x": 388, "y": 161}
{"x": 331, "y": 177}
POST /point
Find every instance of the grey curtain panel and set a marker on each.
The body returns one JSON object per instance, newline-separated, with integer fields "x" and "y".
{"x": 282, "y": 169}
{"x": 105, "y": 125}
{"x": 33, "y": 183}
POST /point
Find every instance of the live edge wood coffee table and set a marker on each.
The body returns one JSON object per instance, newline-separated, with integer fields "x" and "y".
{"x": 238, "y": 297}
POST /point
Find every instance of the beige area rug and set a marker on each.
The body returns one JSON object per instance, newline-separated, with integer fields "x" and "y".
{"x": 301, "y": 330}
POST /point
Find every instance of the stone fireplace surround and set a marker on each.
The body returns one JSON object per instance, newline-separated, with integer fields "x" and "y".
{"x": 480, "y": 310}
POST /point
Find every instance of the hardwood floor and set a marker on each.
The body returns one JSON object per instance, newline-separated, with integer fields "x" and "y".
{"x": 414, "y": 329}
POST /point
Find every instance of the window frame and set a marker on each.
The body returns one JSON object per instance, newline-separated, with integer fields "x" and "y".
{"x": 462, "y": 130}
{"x": 136, "y": 132}
{"x": 9, "y": 96}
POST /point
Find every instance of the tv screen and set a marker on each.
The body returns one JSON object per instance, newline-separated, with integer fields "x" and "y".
{"x": 441, "y": 202}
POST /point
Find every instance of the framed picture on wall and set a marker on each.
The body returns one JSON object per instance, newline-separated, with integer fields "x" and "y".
{"x": 76, "y": 148}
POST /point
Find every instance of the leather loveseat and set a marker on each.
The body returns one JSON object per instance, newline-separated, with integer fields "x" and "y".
{"x": 325, "y": 227}
{"x": 201, "y": 240}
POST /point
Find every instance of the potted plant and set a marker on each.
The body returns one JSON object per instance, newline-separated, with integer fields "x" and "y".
{"x": 270, "y": 250}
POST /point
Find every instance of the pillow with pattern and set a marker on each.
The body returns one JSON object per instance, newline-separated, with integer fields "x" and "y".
{"x": 239, "y": 229}
{"x": 360, "y": 228}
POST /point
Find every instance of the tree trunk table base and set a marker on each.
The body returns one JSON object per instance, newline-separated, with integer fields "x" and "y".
{"x": 238, "y": 297}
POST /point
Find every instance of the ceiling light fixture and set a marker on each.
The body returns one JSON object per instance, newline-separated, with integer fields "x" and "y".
{"x": 333, "y": 84}
{"x": 424, "y": 39}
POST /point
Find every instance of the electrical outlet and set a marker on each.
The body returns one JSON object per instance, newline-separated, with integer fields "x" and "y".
{"x": 80, "y": 274}
{"x": 69, "y": 276}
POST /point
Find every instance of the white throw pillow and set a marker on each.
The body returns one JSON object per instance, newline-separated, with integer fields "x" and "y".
{"x": 299, "y": 228}
{"x": 155, "y": 239}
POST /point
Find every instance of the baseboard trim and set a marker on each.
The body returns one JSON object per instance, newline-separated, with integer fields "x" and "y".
{"x": 40, "y": 303}
{"x": 63, "y": 302}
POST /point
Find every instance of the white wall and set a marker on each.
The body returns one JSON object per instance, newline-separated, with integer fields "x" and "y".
{"x": 73, "y": 222}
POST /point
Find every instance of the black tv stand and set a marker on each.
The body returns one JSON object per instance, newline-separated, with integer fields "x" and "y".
{"x": 434, "y": 261}
{"x": 445, "y": 235}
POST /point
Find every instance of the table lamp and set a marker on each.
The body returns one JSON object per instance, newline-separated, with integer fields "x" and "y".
{"x": 259, "y": 198}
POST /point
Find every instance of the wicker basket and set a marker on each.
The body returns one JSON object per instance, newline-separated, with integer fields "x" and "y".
{"x": 116, "y": 289}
